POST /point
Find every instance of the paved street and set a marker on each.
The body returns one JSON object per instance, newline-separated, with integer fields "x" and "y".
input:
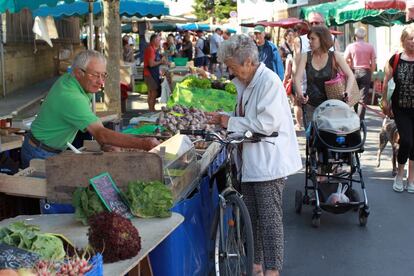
{"x": 340, "y": 246}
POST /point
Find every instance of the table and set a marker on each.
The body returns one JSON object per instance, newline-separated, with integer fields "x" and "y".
{"x": 10, "y": 142}
{"x": 152, "y": 232}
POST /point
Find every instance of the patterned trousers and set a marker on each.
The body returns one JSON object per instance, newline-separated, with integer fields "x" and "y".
{"x": 264, "y": 202}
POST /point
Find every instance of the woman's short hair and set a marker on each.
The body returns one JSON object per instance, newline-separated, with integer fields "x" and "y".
{"x": 325, "y": 37}
{"x": 239, "y": 47}
{"x": 409, "y": 29}
{"x": 82, "y": 59}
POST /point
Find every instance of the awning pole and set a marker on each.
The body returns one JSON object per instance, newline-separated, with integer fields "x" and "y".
{"x": 3, "y": 78}
{"x": 90, "y": 44}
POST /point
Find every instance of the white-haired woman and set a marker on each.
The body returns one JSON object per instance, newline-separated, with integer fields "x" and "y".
{"x": 262, "y": 108}
{"x": 402, "y": 106}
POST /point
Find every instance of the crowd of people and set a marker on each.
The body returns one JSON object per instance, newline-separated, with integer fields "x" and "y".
{"x": 267, "y": 77}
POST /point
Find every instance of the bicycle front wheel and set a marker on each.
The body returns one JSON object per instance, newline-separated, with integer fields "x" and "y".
{"x": 233, "y": 251}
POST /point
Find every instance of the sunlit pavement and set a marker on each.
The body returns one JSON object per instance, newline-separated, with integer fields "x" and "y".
{"x": 340, "y": 246}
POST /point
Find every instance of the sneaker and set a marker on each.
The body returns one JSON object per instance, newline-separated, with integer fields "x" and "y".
{"x": 398, "y": 185}
{"x": 410, "y": 187}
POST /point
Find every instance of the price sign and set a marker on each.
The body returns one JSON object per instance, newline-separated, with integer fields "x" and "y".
{"x": 110, "y": 195}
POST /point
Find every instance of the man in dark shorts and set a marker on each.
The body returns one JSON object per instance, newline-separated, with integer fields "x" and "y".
{"x": 152, "y": 62}
{"x": 200, "y": 59}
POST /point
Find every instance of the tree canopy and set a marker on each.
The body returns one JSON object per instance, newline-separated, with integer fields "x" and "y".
{"x": 218, "y": 9}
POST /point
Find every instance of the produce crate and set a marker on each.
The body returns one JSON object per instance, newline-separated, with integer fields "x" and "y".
{"x": 141, "y": 87}
{"x": 180, "y": 61}
{"x": 97, "y": 266}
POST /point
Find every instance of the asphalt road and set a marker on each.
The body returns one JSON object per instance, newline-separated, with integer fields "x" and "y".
{"x": 340, "y": 246}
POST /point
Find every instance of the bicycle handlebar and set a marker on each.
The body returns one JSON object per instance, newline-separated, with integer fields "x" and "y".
{"x": 210, "y": 135}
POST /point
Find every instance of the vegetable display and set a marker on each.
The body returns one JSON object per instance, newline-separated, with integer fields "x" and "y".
{"x": 195, "y": 82}
{"x": 203, "y": 99}
{"x": 180, "y": 117}
{"x": 87, "y": 203}
{"x": 149, "y": 199}
{"x": 113, "y": 235}
{"x": 29, "y": 237}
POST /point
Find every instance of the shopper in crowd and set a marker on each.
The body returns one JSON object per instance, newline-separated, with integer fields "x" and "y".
{"x": 127, "y": 50}
{"x": 262, "y": 108}
{"x": 268, "y": 52}
{"x": 171, "y": 49}
{"x": 402, "y": 106}
{"x": 152, "y": 62}
{"x": 302, "y": 45}
{"x": 318, "y": 64}
{"x": 361, "y": 57}
{"x": 226, "y": 34}
{"x": 287, "y": 46}
{"x": 67, "y": 110}
{"x": 215, "y": 42}
{"x": 288, "y": 80}
{"x": 187, "y": 47}
{"x": 201, "y": 59}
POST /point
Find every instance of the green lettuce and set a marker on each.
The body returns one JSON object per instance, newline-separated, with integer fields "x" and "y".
{"x": 149, "y": 199}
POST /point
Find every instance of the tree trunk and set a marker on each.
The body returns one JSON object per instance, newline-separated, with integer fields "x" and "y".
{"x": 112, "y": 28}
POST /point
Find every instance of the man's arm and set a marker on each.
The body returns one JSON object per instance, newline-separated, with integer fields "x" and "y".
{"x": 347, "y": 56}
{"x": 296, "y": 54}
{"x": 106, "y": 136}
{"x": 373, "y": 60}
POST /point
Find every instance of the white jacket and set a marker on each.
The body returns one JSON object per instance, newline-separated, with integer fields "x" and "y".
{"x": 266, "y": 110}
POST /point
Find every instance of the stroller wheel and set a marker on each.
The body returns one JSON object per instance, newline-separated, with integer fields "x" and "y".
{"x": 363, "y": 217}
{"x": 298, "y": 201}
{"x": 316, "y": 220}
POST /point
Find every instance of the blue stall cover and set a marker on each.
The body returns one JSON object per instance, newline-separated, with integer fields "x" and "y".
{"x": 186, "y": 251}
{"x": 140, "y": 8}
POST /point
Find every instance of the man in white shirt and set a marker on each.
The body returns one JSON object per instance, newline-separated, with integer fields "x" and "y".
{"x": 215, "y": 42}
{"x": 200, "y": 59}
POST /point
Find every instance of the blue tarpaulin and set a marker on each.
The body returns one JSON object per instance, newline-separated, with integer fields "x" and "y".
{"x": 140, "y": 8}
{"x": 187, "y": 250}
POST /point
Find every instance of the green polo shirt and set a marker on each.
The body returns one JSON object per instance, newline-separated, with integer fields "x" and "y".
{"x": 66, "y": 109}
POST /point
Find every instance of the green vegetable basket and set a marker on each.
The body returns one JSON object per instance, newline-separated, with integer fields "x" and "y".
{"x": 180, "y": 61}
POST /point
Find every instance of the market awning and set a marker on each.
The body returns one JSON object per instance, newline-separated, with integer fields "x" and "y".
{"x": 347, "y": 11}
{"x": 140, "y": 8}
{"x": 14, "y": 6}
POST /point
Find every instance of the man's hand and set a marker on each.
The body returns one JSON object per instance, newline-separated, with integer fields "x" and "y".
{"x": 148, "y": 143}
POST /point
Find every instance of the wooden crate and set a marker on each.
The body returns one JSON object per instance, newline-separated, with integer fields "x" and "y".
{"x": 66, "y": 171}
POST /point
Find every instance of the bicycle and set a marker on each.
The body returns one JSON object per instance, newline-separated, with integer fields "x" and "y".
{"x": 231, "y": 229}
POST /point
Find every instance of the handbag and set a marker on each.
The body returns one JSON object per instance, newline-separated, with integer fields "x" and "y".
{"x": 335, "y": 87}
{"x": 288, "y": 87}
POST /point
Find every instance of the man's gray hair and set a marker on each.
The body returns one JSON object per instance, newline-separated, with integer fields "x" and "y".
{"x": 239, "y": 47}
{"x": 82, "y": 59}
{"x": 360, "y": 32}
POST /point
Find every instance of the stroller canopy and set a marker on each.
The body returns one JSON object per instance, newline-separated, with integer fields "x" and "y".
{"x": 335, "y": 116}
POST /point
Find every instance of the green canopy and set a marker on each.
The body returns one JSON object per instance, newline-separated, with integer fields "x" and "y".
{"x": 14, "y": 6}
{"x": 347, "y": 11}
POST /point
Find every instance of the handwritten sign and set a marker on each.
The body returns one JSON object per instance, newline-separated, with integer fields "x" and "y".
{"x": 14, "y": 258}
{"x": 110, "y": 195}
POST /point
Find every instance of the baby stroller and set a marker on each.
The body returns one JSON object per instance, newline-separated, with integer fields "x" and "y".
{"x": 334, "y": 141}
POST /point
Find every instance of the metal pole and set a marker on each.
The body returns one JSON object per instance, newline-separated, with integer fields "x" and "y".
{"x": 3, "y": 78}
{"x": 90, "y": 44}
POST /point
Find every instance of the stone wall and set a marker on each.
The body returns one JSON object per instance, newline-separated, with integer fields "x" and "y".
{"x": 25, "y": 66}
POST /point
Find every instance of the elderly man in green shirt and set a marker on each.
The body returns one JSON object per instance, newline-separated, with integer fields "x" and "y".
{"x": 67, "y": 109}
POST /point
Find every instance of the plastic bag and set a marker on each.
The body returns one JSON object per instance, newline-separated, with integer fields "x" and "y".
{"x": 165, "y": 91}
{"x": 339, "y": 196}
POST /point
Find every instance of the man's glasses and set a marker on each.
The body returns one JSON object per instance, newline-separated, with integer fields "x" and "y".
{"x": 97, "y": 76}
{"x": 315, "y": 23}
